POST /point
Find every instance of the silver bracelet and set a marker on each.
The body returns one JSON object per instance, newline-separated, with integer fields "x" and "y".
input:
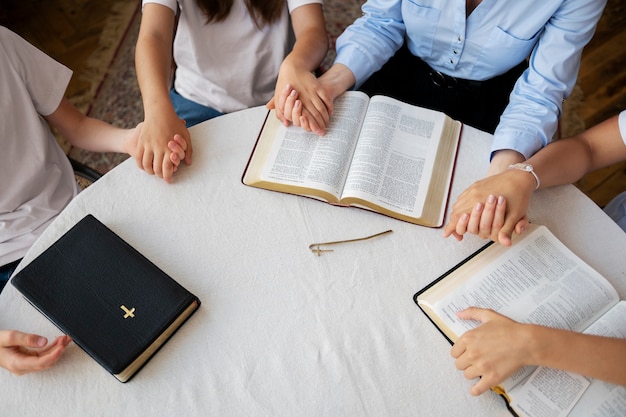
{"x": 527, "y": 168}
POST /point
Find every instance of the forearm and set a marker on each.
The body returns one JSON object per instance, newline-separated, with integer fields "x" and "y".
{"x": 597, "y": 357}
{"x": 562, "y": 162}
{"x": 97, "y": 136}
{"x": 88, "y": 133}
{"x": 567, "y": 160}
{"x": 153, "y": 59}
{"x": 309, "y": 50}
{"x": 549, "y": 164}
{"x": 153, "y": 76}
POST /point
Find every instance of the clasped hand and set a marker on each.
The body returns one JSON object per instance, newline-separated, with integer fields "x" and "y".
{"x": 158, "y": 153}
{"x": 493, "y": 207}
{"x": 310, "y": 109}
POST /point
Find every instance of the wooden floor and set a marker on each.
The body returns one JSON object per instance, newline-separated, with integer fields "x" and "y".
{"x": 69, "y": 30}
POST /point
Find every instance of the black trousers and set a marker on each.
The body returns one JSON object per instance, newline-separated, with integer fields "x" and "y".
{"x": 476, "y": 103}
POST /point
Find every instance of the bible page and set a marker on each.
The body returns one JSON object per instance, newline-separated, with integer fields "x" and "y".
{"x": 537, "y": 280}
{"x": 548, "y": 393}
{"x": 602, "y": 399}
{"x": 303, "y": 159}
{"x": 553, "y": 392}
{"x": 393, "y": 162}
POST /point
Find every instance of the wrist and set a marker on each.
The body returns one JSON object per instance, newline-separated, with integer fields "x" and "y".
{"x": 159, "y": 110}
{"x": 542, "y": 342}
{"x": 527, "y": 168}
{"x": 128, "y": 143}
{"x": 338, "y": 79}
{"x": 502, "y": 159}
{"x": 295, "y": 64}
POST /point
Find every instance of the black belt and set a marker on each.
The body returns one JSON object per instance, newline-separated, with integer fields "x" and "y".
{"x": 446, "y": 81}
{"x": 442, "y": 80}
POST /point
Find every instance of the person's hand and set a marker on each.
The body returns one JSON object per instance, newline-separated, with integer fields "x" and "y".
{"x": 333, "y": 82}
{"x": 313, "y": 105}
{"x": 178, "y": 149}
{"x": 21, "y": 353}
{"x": 487, "y": 220}
{"x": 152, "y": 153}
{"x": 493, "y": 351}
{"x": 296, "y": 114}
{"x": 479, "y": 211}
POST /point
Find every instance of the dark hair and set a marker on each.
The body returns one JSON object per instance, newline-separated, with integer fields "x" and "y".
{"x": 262, "y": 11}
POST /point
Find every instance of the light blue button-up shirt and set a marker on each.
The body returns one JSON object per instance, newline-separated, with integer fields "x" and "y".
{"x": 498, "y": 35}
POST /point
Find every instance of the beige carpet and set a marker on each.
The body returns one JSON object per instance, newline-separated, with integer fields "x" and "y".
{"x": 99, "y": 63}
{"x": 117, "y": 99}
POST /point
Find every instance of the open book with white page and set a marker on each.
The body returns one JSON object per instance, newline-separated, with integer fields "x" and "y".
{"x": 537, "y": 280}
{"x": 379, "y": 154}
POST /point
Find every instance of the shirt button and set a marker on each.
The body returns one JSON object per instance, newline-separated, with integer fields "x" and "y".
{"x": 455, "y": 52}
{"x": 452, "y": 61}
{"x": 459, "y": 38}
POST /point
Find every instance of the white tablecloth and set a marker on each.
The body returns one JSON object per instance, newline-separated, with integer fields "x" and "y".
{"x": 281, "y": 332}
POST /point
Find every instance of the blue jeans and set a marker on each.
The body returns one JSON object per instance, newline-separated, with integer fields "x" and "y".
{"x": 190, "y": 111}
{"x": 6, "y": 271}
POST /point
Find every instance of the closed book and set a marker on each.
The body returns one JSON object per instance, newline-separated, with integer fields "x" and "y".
{"x": 116, "y": 304}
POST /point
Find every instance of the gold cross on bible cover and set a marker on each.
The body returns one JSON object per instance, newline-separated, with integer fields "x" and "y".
{"x": 129, "y": 313}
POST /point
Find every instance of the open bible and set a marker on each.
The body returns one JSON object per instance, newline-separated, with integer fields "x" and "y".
{"x": 537, "y": 280}
{"x": 379, "y": 154}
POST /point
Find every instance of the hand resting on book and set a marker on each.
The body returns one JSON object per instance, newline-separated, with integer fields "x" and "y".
{"x": 500, "y": 346}
{"x": 22, "y": 353}
{"x": 329, "y": 86}
{"x": 291, "y": 110}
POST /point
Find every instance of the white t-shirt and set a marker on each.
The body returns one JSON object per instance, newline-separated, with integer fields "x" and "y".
{"x": 622, "y": 125}
{"x": 229, "y": 65}
{"x": 36, "y": 179}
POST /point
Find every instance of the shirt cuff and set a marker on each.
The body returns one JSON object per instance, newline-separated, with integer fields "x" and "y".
{"x": 525, "y": 144}
{"x": 357, "y": 61}
{"x": 622, "y": 125}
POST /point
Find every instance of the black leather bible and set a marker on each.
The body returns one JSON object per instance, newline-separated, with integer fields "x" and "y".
{"x": 116, "y": 305}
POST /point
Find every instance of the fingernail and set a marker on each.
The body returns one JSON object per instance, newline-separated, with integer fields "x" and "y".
{"x": 293, "y": 93}
{"x": 41, "y": 341}
{"x": 478, "y": 207}
{"x": 287, "y": 87}
{"x": 500, "y": 200}
{"x": 491, "y": 199}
